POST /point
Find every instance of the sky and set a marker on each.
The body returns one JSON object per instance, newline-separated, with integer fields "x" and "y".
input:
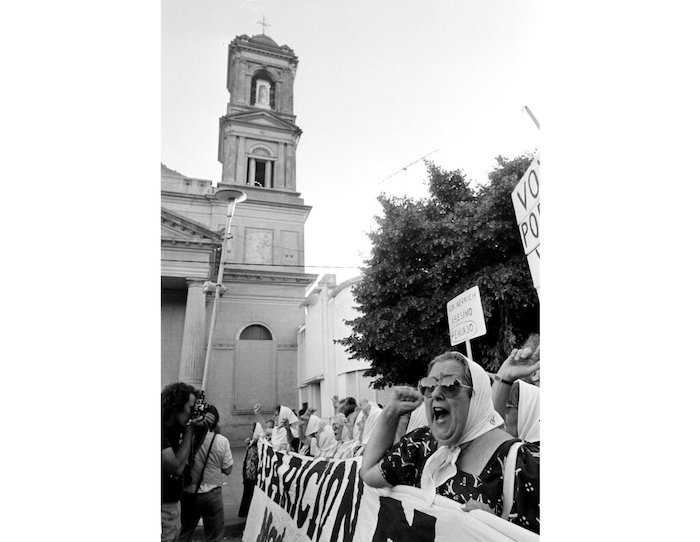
{"x": 379, "y": 85}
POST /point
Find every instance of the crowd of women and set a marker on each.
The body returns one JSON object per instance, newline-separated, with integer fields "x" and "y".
{"x": 461, "y": 433}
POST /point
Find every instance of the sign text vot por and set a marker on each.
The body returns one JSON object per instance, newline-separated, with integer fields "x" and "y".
{"x": 526, "y": 202}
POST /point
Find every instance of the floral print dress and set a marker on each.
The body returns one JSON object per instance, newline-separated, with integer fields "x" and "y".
{"x": 403, "y": 465}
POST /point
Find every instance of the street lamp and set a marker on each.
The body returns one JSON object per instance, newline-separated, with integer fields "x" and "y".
{"x": 232, "y": 196}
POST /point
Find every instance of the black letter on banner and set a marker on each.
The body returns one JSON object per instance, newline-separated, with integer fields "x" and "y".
{"x": 392, "y": 524}
{"x": 347, "y": 514}
{"x": 336, "y": 472}
{"x": 275, "y": 479}
{"x": 317, "y": 468}
{"x": 267, "y": 532}
{"x": 294, "y": 464}
{"x": 298, "y": 491}
{"x": 265, "y": 466}
{"x": 319, "y": 491}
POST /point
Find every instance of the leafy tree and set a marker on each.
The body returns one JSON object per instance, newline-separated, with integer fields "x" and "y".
{"x": 427, "y": 251}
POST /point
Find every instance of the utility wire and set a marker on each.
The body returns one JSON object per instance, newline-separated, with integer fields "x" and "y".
{"x": 266, "y": 264}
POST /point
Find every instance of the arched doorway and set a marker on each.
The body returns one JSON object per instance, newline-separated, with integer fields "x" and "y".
{"x": 256, "y": 374}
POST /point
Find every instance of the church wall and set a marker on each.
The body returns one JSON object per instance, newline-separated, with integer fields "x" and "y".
{"x": 243, "y": 372}
{"x": 173, "y": 304}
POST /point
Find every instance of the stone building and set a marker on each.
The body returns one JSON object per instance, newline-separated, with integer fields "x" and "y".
{"x": 254, "y": 353}
{"x": 325, "y": 369}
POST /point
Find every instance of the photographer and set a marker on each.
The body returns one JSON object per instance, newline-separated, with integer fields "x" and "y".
{"x": 177, "y": 442}
{"x": 202, "y": 498}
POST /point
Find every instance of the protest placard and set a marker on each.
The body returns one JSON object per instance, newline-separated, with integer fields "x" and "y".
{"x": 526, "y": 202}
{"x": 465, "y": 316}
{"x": 303, "y": 499}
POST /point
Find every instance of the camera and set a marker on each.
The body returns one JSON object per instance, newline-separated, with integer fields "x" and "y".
{"x": 200, "y": 407}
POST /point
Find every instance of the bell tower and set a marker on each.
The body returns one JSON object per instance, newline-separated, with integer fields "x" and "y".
{"x": 258, "y": 136}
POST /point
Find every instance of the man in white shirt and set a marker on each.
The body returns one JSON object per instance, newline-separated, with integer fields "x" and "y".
{"x": 203, "y": 498}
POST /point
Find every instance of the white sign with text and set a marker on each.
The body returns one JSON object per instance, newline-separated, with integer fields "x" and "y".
{"x": 526, "y": 202}
{"x": 465, "y": 316}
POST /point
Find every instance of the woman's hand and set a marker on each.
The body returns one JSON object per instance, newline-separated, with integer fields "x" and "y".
{"x": 520, "y": 364}
{"x": 404, "y": 400}
{"x": 471, "y": 504}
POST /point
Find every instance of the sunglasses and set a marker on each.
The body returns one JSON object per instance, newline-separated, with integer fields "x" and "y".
{"x": 450, "y": 385}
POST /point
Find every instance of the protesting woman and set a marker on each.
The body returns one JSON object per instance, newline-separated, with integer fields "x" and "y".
{"x": 345, "y": 446}
{"x": 250, "y": 468}
{"x": 462, "y": 453}
{"x": 316, "y": 435}
{"x": 523, "y": 412}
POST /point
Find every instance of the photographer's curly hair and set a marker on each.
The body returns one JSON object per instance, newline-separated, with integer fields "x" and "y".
{"x": 174, "y": 397}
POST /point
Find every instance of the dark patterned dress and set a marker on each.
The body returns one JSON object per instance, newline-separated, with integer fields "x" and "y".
{"x": 403, "y": 465}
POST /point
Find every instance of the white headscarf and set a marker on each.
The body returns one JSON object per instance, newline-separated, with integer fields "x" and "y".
{"x": 356, "y": 426}
{"x": 419, "y": 418}
{"x": 258, "y": 431}
{"x": 528, "y": 412}
{"x": 343, "y": 421}
{"x": 313, "y": 425}
{"x": 372, "y": 417}
{"x": 279, "y": 433}
{"x": 325, "y": 439}
{"x": 482, "y": 417}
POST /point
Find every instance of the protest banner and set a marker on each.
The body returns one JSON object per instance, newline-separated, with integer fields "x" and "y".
{"x": 302, "y": 499}
{"x": 465, "y": 316}
{"x": 526, "y": 202}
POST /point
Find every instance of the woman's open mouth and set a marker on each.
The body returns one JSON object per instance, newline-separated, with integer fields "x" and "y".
{"x": 440, "y": 415}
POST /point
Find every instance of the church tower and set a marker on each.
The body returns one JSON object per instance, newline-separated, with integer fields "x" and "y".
{"x": 258, "y": 136}
{"x": 254, "y": 345}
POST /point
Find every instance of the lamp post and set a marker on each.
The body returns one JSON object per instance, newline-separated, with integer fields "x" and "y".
{"x": 232, "y": 196}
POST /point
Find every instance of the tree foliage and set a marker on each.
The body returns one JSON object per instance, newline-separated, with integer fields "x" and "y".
{"x": 427, "y": 251}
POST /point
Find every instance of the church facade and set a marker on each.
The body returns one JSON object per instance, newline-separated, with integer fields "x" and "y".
{"x": 254, "y": 355}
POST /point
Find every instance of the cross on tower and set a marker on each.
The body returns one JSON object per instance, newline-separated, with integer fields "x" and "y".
{"x": 263, "y": 24}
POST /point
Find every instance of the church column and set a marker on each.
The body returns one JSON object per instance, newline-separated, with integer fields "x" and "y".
{"x": 251, "y": 171}
{"x": 293, "y": 168}
{"x": 240, "y": 161}
{"x": 268, "y": 173}
{"x": 228, "y": 159}
{"x": 288, "y": 167}
{"x": 279, "y": 168}
{"x": 194, "y": 335}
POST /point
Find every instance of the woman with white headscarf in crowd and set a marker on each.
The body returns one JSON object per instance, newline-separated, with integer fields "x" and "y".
{"x": 371, "y": 412}
{"x": 285, "y": 435}
{"x": 522, "y": 364}
{"x": 345, "y": 445}
{"x": 523, "y": 412}
{"x": 317, "y": 435}
{"x": 462, "y": 453}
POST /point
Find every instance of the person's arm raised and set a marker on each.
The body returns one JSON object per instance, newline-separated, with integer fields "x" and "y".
{"x": 519, "y": 364}
{"x": 404, "y": 399}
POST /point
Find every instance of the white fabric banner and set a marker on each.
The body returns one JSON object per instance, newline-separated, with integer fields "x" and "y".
{"x": 303, "y": 499}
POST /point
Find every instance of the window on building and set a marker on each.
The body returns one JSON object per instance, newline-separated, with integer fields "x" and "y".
{"x": 261, "y": 173}
{"x": 256, "y": 332}
{"x": 262, "y": 92}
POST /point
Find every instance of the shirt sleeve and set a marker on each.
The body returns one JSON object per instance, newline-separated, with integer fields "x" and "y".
{"x": 526, "y": 495}
{"x": 227, "y": 460}
{"x": 403, "y": 463}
